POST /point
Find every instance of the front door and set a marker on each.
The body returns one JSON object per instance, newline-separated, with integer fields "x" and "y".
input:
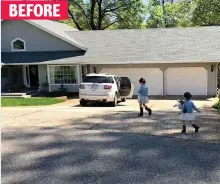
{"x": 33, "y": 73}
{"x": 126, "y": 87}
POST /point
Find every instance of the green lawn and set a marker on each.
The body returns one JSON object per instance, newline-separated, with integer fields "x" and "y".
{"x": 12, "y": 102}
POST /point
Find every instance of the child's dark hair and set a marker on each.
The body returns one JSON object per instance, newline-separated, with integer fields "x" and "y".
{"x": 187, "y": 95}
{"x": 142, "y": 80}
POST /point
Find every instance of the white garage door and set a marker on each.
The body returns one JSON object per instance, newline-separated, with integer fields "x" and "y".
{"x": 153, "y": 76}
{"x": 191, "y": 79}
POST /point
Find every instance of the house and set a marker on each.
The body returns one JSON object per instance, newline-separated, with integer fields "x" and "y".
{"x": 172, "y": 61}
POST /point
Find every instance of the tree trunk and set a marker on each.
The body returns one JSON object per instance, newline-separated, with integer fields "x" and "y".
{"x": 164, "y": 13}
{"x": 100, "y": 15}
{"x": 92, "y": 24}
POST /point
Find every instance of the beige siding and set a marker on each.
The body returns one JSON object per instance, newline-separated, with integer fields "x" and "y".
{"x": 212, "y": 80}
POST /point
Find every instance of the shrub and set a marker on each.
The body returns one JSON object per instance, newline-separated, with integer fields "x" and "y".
{"x": 15, "y": 87}
{"x": 217, "y": 105}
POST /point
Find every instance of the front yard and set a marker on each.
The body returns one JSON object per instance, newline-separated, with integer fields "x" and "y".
{"x": 12, "y": 102}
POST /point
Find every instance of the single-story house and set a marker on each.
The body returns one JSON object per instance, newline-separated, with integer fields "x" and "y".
{"x": 172, "y": 61}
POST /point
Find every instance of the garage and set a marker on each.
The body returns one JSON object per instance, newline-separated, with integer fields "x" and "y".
{"x": 191, "y": 79}
{"x": 153, "y": 76}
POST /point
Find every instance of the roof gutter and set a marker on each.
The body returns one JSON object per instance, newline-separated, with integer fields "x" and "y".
{"x": 151, "y": 62}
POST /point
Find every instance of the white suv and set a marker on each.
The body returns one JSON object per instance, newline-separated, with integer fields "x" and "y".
{"x": 105, "y": 88}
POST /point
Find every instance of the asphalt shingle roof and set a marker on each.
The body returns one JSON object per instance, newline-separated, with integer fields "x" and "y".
{"x": 52, "y": 57}
{"x": 174, "y": 45}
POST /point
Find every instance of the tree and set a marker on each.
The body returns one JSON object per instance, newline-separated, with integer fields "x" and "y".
{"x": 206, "y": 13}
{"x": 103, "y": 14}
{"x": 164, "y": 14}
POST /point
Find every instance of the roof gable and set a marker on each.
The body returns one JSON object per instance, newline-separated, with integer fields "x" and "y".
{"x": 56, "y": 29}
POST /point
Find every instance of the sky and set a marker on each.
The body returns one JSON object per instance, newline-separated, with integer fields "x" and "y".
{"x": 146, "y": 1}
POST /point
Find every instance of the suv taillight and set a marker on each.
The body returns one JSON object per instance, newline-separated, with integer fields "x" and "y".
{"x": 107, "y": 86}
{"x": 81, "y": 86}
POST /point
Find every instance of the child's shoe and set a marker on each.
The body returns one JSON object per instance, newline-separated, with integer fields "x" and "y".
{"x": 196, "y": 127}
{"x": 141, "y": 112}
{"x": 149, "y": 110}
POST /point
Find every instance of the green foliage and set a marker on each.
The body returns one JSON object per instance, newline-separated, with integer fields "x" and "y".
{"x": 131, "y": 14}
{"x": 207, "y": 13}
{"x": 103, "y": 14}
{"x": 15, "y": 87}
{"x": 170, "y": 14}
{"x": 132, "y": 17}
{"x": 217, "y": 106}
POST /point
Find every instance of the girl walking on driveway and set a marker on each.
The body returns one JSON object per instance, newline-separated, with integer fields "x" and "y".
{"x": 143, "y": 97}
{"x": 187, "y": 113}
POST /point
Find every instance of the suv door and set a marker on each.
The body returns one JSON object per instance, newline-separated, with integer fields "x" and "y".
{"x": 126, "y": 87}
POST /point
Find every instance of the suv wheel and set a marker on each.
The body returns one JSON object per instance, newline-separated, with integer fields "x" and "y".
{"x": 83, "y": 103}
{"x": 123, "y": 99}
{"x": 115, "y": 101}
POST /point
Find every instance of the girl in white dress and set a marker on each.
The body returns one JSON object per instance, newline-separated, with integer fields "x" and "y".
{"x": 187, "y": 114}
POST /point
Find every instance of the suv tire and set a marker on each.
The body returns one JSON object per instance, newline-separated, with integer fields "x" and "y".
{"x": 123, "y": 99}
{"x": 114, "y": 102}
{"x": 83, "y": 103}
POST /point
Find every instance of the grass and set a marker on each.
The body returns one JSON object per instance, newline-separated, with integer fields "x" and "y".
{"x": 217, "y": 106}
{"x": 13, "y": 102}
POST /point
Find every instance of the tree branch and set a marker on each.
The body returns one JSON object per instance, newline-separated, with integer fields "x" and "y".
{"x": 74, "y": 20}
{"x": 110, "y": 24}
{"x": 82, "y": 9}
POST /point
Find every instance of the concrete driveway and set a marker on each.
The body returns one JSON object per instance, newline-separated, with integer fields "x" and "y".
{"x": 164, "y": 121}
{"x": 71, "y": 144}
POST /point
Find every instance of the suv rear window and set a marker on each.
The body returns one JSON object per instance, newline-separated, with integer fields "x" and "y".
{"x": 98, "y": 79}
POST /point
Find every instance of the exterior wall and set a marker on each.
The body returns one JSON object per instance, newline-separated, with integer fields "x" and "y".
{"x": 212, "y": 76}
{"x": 35, "y": 38}
{"x": 69, "y": 87}
{"x": 42, "y": 69}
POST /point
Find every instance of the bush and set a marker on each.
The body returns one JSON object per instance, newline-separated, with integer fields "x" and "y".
{"x": 15, "y": 87}
{"x": 217, "y": 105}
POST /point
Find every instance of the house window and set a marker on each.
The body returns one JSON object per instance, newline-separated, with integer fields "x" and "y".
{"x": 63, "y": 74}
{"x": 18, "y": 45}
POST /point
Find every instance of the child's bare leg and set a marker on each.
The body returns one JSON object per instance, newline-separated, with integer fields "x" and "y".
{"x": 140, "y": 105}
